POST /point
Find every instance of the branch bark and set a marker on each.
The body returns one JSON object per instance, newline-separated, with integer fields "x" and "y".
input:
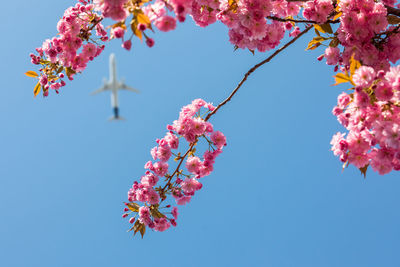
{"x": 390, "y": 10}
{"x": 300, "y": 20}
{"x": 255, "y": 67}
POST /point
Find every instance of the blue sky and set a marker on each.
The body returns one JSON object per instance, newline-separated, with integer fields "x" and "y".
{"x": 277, "y": 197}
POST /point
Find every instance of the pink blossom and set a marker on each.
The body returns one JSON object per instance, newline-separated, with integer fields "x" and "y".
{"x": 364, "y": 76}
{"x": 193, "y": 164}
{"x": 165, "y": 23}
{"x": 332, "y": 55}
{"x": 152, "y": 197}
{"x": 190, "y": 185}
{"x": 175, "y": 213}
{"x": 164, "y": 153}
{"x": 161, "y": 224}
{"x": 118, "y": 32}
{"x": 218, "y": 139}
{"x": 149, "y": 180}
{"x": 160, "y": 168}
{"x": 183, "y": 200}
{"x": 150, "y": 42}
{"x": 127, "y": 44}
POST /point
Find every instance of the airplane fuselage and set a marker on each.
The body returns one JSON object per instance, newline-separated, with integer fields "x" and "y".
{"x": 114, "y": 86}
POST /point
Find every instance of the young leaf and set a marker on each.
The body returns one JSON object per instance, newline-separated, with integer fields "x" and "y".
{"x": 119, "y": 24}
{"x": 363, "y": 170}
{"x": 135, "y": 30}
{"x": 324, "y": 28}
{"x": 31, "y": 73}
{"x": 315, "y": 42}
{"x": 136, "y": 227}
{"x": 36, "y": 90}
{"x": 338, "y": 15}
{"x": 133, "y": 206}
{"x": 142, "y": 230}
{"x": 142, "y": 18}
{"x": 354, "y": 65}
{"x": 69, "y": 71}
{"x": 334, "y": 42}
{"x": 392, "y": 19}
{"x": 317, "y": 32}
{"x": 342, "y": 78}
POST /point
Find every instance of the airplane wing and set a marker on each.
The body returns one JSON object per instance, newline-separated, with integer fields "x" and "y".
{"x": 102, "y": 89}
{"x": 125, "y": 87}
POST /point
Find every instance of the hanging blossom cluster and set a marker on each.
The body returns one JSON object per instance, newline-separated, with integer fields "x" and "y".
{"x": 364, "y": 32}
{"x": 71, "y": 50}
{"x": 145, "y": 207}
{"x": 369, "y": 41}
{"x": 372, "y": 116}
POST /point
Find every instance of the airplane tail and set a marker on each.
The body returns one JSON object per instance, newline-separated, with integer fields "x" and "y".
{"x": 113, "y": 118}
{"x": 116, "y": 116}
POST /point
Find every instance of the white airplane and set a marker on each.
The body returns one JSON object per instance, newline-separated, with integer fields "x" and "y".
{"x": 114, "y": 85}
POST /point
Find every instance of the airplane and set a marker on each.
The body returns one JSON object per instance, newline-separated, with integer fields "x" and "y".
{"x": 114, "y": 85}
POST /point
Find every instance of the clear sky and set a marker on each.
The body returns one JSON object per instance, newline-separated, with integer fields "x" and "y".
{"x": 277, "y": 197}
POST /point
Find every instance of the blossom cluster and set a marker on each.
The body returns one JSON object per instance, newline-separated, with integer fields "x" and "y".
{"x": 372, "y": 116}
{"x": 367, "y": 31}
{"x": 72, "y": 48}
{"x": 150, "y": 192}
{"x": 364, "y": 32}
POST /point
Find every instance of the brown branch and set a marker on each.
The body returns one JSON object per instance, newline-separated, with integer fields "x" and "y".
{"x": 300, "y": 20}
{"x": 168, "y": 182}
{"x": 179, "y": 165}
{"x": 390, "y": 10}
{"x": 393, "y": 11}
{"x": 250, "y": 71}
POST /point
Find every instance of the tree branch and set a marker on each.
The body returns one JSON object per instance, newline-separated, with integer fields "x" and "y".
{"x": 393, "y": 11}
{"x": 390, "y": 10}
{"x": 250, "y": 71}
{"x": 299, "y": 20}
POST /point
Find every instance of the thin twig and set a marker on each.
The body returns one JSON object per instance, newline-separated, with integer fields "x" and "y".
{"x": 230, "y": 97}
{"x": 390, "y": 10}
{"x": 256, "y": 67}
{"x": 179, "y": 165}
{"x": 300, "y": 20}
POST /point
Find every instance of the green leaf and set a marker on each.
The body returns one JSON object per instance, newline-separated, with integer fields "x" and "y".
{"x": 31, "y": 73}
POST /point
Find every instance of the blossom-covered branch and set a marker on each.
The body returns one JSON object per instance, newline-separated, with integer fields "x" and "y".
{"x": 362, "y": 44}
